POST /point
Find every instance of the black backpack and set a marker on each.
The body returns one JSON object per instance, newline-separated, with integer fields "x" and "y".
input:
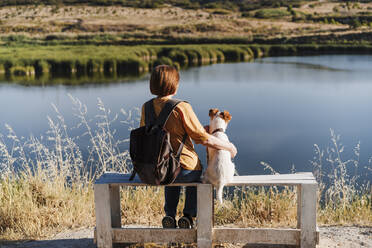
{"x": 151, "y": 152}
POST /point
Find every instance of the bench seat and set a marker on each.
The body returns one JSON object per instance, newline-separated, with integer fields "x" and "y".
{"x": 121, "y": 179}
{"x": 108, "y": 215}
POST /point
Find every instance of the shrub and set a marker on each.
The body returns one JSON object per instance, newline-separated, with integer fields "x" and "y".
{"x": 163, "y": 61}
{"x": 41, "y": 67}
{"x": 109, "y": 67}
{"x": 193, "y": 57}
{"x": 179, "y": 56}
{"x": 272, "y": 13}
{"x": 81, "y": 67}
{"x": 257, "y": 51}
{"x": 94, "y": 65}
{"x": 220, "y": 56}
{"x": 249, "y": 52}
{"x": 355, "y": 23}
{"x": 131, "y": 66}
{"x": 233, "y": 54}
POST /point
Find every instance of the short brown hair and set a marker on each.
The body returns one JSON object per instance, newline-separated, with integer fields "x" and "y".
{"x": 164, "y": 80}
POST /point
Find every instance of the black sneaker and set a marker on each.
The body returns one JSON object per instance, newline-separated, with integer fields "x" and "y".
{"x": 169, "y": 222}
{"x": 185, "y": 222}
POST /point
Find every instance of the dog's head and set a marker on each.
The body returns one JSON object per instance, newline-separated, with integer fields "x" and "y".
{"x": 218, "y": 119}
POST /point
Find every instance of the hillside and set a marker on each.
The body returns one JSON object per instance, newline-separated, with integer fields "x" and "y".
{"x": 241, "y": 5}
{"x": 308, "y": 22}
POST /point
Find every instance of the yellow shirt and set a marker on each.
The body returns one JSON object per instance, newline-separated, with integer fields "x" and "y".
{"x": 182, "y": 119}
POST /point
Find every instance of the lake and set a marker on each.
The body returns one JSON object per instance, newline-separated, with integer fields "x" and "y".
{"x": 280, "y": 106}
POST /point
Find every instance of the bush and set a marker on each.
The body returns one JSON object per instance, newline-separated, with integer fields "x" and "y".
{"x": 109, "y": 67}
{"x": 355, "y": 23}
{"x": 41, "y": 67}
{"x": 131, "y": 66}
{"x": 272, "y": 13}
{"x": 249, "y": 51}
{"x": 94, "y": 65}
{"x": 257, "y": 51}
{"x": 220, "y": 56}
{"x": 234, "y": 54}
{"x": 179, "y": 56}
{"x": 192, "y": 57}
{"x": 163, "y": 61}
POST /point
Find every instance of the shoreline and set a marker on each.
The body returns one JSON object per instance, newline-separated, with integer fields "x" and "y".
{"x": 74, "y": 65}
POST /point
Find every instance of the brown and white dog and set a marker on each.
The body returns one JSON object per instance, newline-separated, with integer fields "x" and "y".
{"x": 221, "y": 169}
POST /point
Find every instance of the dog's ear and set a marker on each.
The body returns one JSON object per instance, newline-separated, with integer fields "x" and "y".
{"x": 213, "y": 112}
{"x": 225, "y": 115}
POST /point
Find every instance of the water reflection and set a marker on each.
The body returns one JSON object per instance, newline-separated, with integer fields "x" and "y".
{"x": 304, "y": 65}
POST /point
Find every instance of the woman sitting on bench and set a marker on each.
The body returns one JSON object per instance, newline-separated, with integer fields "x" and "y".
{"x": 164, "y": 83}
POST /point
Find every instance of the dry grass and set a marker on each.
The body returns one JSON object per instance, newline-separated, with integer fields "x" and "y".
{"x": 325, "y": 7}
{"x": 343, "y": 199}
{"x": 41, "y": 21}
{"x": 45, "y": 186}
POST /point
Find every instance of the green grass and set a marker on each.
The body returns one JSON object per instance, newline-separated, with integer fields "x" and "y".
{"x": 65, "y": 61}
{"x": 94, "y": 63}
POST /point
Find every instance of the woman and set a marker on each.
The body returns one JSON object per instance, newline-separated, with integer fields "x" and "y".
{"x": 164, "y": 84}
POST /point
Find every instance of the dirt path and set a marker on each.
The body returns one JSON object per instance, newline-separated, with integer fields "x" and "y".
{"x": 348, "y": 237}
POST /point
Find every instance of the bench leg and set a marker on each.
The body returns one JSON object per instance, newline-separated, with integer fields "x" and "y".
{"x": 299, "y": 207}
{"x": 205, "y": 215}
{"x": 115, "y": 206}
{"x": 307, "y": 216}
{"x": 103, "y": 215}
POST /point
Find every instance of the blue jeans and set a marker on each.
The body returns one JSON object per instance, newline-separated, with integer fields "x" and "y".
{"x": 172, "y": 193}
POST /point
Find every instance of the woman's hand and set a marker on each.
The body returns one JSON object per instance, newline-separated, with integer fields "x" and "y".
{"x": 233, "y": 151}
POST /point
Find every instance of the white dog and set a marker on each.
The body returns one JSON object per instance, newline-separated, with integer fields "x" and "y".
{"x": 220, "y": 170}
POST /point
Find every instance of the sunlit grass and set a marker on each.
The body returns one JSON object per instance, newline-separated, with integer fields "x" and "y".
{"x": 46, "y": 183}
{"x": 87, "y": 63}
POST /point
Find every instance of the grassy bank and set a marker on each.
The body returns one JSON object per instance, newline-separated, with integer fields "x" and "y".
{"x": 46, "y": 185}
{"x": 78, "y": 64}
{"x": 110, "y": 61}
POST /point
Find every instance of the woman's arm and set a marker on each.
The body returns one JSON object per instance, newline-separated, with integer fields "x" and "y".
{"x": 219, "y": 144}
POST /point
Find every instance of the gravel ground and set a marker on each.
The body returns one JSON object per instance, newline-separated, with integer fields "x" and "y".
{"x": 348, "y": 237}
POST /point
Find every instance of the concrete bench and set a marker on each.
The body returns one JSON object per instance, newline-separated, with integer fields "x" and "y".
{"x": 109, "y": 229}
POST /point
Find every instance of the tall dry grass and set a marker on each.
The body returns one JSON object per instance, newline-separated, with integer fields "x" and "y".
{"x": 46, "y": 182}
{"x": 343, "y": 198}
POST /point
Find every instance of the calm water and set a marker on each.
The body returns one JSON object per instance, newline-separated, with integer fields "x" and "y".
{"x": 280, "y": 106}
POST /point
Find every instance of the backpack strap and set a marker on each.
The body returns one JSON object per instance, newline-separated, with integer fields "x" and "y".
{"x": 150, "y": 116}
{"x": 178, "y": 154}
{"x": 169, "y": 106}
{"x": 163, "y": 117}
